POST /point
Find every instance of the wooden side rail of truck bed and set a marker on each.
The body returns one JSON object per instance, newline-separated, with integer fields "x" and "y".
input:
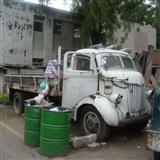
{"x": 21, "y": 87}
{"x": 30, "y": 83}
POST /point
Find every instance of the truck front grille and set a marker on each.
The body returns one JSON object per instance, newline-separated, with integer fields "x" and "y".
{"x": 136, "y": 98}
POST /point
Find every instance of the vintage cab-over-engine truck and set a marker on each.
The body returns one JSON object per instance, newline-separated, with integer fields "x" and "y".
{"x": 101, "y": 87}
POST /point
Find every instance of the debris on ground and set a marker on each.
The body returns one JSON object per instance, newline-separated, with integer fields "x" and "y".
{"x": 103, "y": 143}
{"x": 79, "y": 142}
{"x": 93, "y": 145}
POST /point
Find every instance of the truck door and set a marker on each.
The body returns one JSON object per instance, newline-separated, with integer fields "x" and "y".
{"x": 79, "y": 79}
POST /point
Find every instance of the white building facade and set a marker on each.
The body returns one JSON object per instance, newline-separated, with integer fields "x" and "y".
{"x": 138, "y": 39}
{"x": 30, "y": 33}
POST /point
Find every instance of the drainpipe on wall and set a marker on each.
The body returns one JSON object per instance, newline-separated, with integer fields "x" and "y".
{"x": 45, "y": 30}
{"x": 59, "y": 65}
{"x": 1, "y": 57}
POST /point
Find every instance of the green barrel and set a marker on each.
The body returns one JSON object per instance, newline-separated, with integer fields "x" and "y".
{"x": 155, "y": 125}
{"x": 55, "y": 132}
{"x": 32, "y": 126}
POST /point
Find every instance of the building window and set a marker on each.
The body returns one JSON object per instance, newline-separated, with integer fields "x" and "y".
{"x": 76, "y": 33}
{"x": 81, "y": 63}
{"x": 37, "y": 62}
{"x": 57, "y": 26}
{"x": 38, "y": 23}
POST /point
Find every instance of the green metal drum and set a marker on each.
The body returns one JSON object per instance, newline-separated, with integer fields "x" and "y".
{"x": 55, "y": 132}
{"x": 32, "y": 126}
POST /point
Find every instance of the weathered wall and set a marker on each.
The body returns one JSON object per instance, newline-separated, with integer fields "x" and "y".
{"x": 65, "y": 39}
{"x": 1, "y": 59}
{"x": 139, "y": 38}
{"x": 17, "y": 26}
{"x": 20, "y": 42}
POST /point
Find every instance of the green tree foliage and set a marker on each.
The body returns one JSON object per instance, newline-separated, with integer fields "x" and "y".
{"x": 100, "y": 18}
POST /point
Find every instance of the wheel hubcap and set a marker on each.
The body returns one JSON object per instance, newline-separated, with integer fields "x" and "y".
{"x": 91, "y": 123}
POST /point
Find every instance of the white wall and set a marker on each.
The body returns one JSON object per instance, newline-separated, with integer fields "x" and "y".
{"x": 1, "y": 58}
{"x": 138, "y": 39}
{"x": 17, "y": 25}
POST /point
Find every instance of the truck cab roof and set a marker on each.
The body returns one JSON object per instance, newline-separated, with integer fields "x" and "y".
{"x": 101, "y": 50}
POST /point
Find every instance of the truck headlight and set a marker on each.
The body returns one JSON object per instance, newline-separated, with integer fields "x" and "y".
{"x": 116, "y": 98}
{"x": 108, "y": 88}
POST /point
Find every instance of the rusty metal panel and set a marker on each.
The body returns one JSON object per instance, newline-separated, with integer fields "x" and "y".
{"x": 156, "y": 59}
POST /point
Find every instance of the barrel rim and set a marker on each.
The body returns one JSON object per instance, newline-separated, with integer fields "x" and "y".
{"x": 26, "y": 106}
{"x": 62, "y": 109}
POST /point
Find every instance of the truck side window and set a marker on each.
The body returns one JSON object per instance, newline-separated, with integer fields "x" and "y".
{"x": 81, "y": 63}
{"x": 69, "y": 61}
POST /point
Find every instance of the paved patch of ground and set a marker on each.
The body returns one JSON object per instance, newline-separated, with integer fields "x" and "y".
{"x": 121, "y": 145}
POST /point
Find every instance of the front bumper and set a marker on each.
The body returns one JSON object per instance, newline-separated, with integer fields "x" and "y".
{"x": 134, "y": 120}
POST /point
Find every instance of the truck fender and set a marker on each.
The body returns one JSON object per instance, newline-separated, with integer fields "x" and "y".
{"x": 105, "y": 107}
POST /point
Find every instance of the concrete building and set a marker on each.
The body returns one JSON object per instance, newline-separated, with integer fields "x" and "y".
{"x": 138, "y": 39}
{"x": 30, "y": 35}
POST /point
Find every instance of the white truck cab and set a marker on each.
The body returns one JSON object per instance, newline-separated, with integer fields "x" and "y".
{"x": 103, "y": 89}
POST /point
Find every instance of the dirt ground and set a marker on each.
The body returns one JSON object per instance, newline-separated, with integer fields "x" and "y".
{"x": 121, "y": 145}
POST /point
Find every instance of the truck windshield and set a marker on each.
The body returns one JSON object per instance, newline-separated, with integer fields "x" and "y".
{"x": 117, "y": 62}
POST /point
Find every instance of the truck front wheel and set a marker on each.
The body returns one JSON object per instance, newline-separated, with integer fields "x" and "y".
{"x": 92, "y": 122}
{"x": 18, "y": 101}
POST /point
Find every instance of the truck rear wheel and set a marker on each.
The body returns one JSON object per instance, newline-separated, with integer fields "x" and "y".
{"x": 92, "y": 122}
{"x": 18, "y": 102}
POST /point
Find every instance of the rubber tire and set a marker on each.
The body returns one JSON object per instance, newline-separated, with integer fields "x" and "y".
{"x": 18, "y": 103}
{"x": 104, "y": 128}
{"x": 156, "y": 155}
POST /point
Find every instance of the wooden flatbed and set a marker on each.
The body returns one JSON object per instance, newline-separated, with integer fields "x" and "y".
{"x": 21, "y": 87}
